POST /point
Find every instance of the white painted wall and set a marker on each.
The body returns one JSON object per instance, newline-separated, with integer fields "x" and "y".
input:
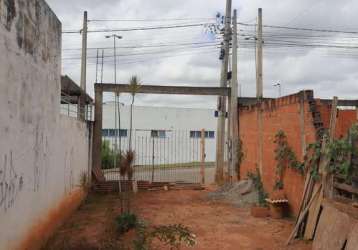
{"x": 42, "y": 153}
{"x": 177, "y": 122}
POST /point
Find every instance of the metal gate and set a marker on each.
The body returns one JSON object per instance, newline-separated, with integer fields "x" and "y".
{"x": 160, "y": 155}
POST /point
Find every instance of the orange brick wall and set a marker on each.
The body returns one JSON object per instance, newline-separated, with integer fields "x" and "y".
{"x": 284, "y": 114}
{"x": 345, "y": 119}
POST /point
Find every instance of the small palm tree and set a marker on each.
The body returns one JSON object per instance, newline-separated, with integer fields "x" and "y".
{"x": 134, "y": 86}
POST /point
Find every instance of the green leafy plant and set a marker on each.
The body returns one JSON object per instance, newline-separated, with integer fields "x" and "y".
{"x": 240, "y": 156}
{"x": 312, "y": 159}
{"x": 256, "y": 179}
{"x": 126, "y": 222}
{"x": 107, "y": 155}
{"x": 174, "y": 235}
{"x": 171, "y": 235}
{"x": 339, "y": 153}
{"x": 285, "y": 157}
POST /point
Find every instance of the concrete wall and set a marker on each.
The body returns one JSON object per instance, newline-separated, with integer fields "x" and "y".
{"x": 42, "y": 154}
{"x": 284, "y": 114}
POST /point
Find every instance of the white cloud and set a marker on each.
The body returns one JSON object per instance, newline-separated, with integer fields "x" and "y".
{"x": 324, "y": 70}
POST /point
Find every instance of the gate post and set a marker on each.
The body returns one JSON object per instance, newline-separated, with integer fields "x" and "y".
{"x": 202, "y": 154}
{"x": 97, "y": 131}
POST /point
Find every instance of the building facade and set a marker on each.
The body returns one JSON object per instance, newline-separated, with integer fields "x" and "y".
{"x": 170, "y": 135}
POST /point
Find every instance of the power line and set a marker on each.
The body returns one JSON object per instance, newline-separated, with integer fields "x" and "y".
{"x": 139, "y": 28}
{"x": 143, "y": 46}
{"x": 303, "y": 29}
{"x": 146, "y": 53}
{"x": 151, "y": 20}
{"x": 151, "y": 59}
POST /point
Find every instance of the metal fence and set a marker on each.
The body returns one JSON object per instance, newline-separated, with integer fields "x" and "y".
{"x": 160, "y": 156}
{"x": 68, "y": 108}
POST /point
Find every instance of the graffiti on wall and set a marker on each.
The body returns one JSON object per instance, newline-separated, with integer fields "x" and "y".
{"x": 41, "y": 163}
{"x": 11, "y": 183}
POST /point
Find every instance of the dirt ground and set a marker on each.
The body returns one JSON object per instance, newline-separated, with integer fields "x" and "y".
{"x": 216, "y": 225}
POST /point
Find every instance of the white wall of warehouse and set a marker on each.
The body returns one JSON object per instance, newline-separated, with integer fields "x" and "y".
{"x": 177, "y": 122}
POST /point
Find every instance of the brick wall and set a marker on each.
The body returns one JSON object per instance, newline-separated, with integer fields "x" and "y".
{"x": 345, "y": 118}
{"x": 285, "y": 114}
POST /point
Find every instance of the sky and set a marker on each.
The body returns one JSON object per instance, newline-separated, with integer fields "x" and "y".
{"x": 190, "y": 56}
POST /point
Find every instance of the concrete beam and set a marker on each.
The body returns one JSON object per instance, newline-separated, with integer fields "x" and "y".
{"x": 171, "y": 90}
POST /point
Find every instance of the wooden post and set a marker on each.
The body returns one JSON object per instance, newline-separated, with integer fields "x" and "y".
{"x": 202, "y": 154}
{"x": 326, "y": 177}
{"x": 259, "y": 90}
{"x": 333, "y": 119}
{"x": 97, "y": 131}
{"x": 234, "y": 128}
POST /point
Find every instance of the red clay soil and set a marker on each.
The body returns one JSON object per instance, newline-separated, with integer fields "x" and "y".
{"x": 217, "y": 226}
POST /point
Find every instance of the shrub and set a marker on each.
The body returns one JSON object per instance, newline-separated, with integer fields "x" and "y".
{"x": 256, "y": 179}
{"x": 126, "y": 222}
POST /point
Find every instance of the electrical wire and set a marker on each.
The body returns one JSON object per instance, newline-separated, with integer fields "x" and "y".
{"x": 150, "y": 20}
{"x": 139, "y": 28}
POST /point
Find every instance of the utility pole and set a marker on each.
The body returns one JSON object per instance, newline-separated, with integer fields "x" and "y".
{"x": 82, "y": 101}
{"x": 220, "y": 138}
{"x": 259, "y": 42}
{"x": 259, "y": 90}
{"x": 97, "y": 66}
{"x": 234, "y": 125}
{"x": 102, "y": 65}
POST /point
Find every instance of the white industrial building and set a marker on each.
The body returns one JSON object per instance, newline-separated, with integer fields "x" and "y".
{"x": 170, "y": 135}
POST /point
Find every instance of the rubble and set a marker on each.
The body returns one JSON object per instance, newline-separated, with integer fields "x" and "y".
{"x": 240, "y": 194}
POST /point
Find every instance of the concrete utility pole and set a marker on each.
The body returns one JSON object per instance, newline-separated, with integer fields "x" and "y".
{"x": 82, "y": 102}
{"x": 259, "y": 89}
{"x": 259, "y": 42}
{"x": 102, "y": 62}
{"x": 234, "y": 104}
{"x": 97, "y": 65}
{"x": 220, "y": 138}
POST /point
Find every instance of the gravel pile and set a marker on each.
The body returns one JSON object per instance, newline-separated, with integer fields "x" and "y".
{"x": 240, "y": 194}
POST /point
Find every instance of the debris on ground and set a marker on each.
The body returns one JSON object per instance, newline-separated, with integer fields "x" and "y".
{"x": 239, "y": 194}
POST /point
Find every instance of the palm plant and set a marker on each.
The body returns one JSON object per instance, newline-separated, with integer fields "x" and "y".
{"x": 134, "y": 86}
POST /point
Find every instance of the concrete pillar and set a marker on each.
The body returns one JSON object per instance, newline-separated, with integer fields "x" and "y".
{"x": 97, "y": 131}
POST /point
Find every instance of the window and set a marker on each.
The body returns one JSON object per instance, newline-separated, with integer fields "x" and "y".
{"x": 114, "y": 132}
{"x": 211, "y": 134}
{"x": 197, "y": 134}
{"x": 158, "y": 133}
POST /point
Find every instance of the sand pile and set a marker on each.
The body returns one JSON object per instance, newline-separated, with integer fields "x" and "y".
{"x": 240, "y": 194}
